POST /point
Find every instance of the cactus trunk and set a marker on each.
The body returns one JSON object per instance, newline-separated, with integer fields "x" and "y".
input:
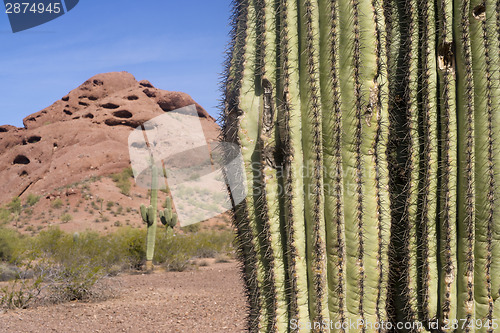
{"x": 148, "y": 215}
{"x": 370, "y": 132}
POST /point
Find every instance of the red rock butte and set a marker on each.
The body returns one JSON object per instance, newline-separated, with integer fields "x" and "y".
{"x": 84, "y": 134}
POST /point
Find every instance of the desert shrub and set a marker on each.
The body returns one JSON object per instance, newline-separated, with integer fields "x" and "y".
{"x": 4, "y": 215}
{"x": 21, "y": 293}
{"x": 175, "y": 252}
{"x": 32, "y": 199}
{"x": 129, "y": 245}
{"x": 191, "y": 228}
{"x": 122, "y": 180}
{"x": 65, "y": 218}
{"x": 94, "y": 205}
{"x": 11, "y": 245}
{"x": 8, "y": 272}
{"x": 57, "y": 203}
{"x": 14, "y": 206}
{"x": 72, "y": 281}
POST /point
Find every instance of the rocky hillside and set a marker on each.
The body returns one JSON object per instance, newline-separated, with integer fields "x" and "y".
{"x": 81, "y": 138}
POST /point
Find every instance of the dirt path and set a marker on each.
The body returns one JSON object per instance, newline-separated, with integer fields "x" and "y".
{"x": 209, "y": 299}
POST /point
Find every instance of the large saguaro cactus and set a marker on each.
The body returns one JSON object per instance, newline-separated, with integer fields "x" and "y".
{"x": 370, "y": 132}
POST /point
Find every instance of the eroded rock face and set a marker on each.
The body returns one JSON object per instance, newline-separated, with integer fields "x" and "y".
{"x": 84, "y": 134}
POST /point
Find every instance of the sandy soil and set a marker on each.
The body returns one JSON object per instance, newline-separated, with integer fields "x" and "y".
{"x": 206, "y": 299}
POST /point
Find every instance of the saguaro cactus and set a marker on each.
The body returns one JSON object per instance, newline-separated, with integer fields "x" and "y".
{"x": 369, "y": 131}
{"x": 148, "y": 215}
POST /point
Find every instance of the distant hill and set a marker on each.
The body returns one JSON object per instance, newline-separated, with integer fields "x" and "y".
{"x": 67, "y": 150}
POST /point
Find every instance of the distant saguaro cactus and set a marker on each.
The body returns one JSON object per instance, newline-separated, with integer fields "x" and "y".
{"x": 370, "y": 133}
{"x": 148, "y": 215}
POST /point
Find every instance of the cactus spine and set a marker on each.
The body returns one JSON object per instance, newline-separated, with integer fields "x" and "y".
{"x": 148, "y": 215}
{"x": 370, "y": 132}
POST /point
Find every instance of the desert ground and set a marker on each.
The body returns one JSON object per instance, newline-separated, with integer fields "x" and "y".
{"x": 205, "y": 299}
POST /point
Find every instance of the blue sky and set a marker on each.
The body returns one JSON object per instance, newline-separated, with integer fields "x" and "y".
{"x": 176, "y": 45}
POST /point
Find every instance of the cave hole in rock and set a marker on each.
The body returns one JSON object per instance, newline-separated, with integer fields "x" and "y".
{"x": 89, "y": 115}
{"x": 68, "y": 112}
{"x": 3, "y": 130}
{"x": 110, "y": 106}
{"x": 21, "y": 159}
{"x": 123, "y": 114}
{"x": 149, "y": 93}
{"x": 132, "y": 98}
{"x": 83, "y": 103}
{"x": 65, "y": 98}
{"x": 23, "y": 174}
{"x": 92, "y": 98}
{"x": 32, "y": 139}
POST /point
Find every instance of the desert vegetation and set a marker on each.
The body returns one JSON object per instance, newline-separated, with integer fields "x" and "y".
{"x": 55, "y": 266}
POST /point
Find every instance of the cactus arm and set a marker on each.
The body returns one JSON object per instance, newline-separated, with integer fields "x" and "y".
{"x": 447, "y": 176}
{"x": 289, "y": 117}
{"x": 167, "y": 217}
{"x": 173, "y": 220}
{"x": 465, "y": 200}
{"x": 144, "y": 213}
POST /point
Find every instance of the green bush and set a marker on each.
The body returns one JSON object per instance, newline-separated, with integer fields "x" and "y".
{"x": 57, "y": 203}
{"x": 15, "y": 206}
{"x": 191, "y": 228}
{"x": 122, "y": 180}
{"x": 4, "y": 215}
{"x": 32, "y": 199}
{"x": 129, "y": 245}
{"x": 65, "y": 218}
{"x": 8, "y": 272}
{"x": 175, "y": 252}
{"x": 11, "y": 245}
